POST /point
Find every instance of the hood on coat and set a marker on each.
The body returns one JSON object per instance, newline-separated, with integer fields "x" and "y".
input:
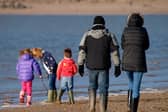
{"x": 26, "y": 57}
{"x": 69, "y": 60}
{"x": 99, "y": 32}
{"x": 135, "y": 20}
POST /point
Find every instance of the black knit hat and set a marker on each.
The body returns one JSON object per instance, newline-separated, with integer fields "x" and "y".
{"x": 99, "y": 20}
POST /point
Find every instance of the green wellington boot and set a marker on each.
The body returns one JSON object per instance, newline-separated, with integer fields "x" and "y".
{"x": 60, "y": 93}
{"x": 92, "y": 100}
{"x": 54, "y": 95}
{"x": 50, "y": 96}
{"x": 103, "y": 102}
{"x": 71, "y": 97}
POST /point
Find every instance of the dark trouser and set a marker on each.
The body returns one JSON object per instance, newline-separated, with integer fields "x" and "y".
{"x": 52, "y": 81}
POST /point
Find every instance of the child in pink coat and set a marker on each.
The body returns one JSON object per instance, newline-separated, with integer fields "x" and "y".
{"x": 26, "y": 67}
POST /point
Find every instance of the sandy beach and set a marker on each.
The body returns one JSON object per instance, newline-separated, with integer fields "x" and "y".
{"x": 104, "y": 7}
{"x": 149, "y": 102}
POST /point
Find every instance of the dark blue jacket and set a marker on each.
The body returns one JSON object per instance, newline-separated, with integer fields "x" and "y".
{"x": 49, "y": 63}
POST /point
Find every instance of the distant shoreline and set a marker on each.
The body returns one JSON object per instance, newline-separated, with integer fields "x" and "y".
{"x": 84, "y": 8}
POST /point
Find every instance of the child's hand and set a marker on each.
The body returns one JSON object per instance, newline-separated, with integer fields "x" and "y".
{"x": 58, "y": 78}
{"x": 41, "y": 77}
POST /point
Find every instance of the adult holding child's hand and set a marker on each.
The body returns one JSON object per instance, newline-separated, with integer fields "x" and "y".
{"x": 96, "y": 49}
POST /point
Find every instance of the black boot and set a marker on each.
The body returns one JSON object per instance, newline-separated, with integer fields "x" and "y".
{"x": 129, "y": 99}
{"x": 134, "y": 104}
{"x": 103, "y": 102}
{"x": 92, "y": 100}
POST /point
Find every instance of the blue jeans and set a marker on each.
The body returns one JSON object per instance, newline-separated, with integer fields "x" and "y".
{"x": 52, "y": 80}
{"x": 134, "y": 84}
{"x": 67, "y": 83}
{"x": 99, "y": 79}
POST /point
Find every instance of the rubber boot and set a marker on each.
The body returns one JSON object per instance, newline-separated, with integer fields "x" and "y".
{"x": 134, "y": 104}
{"x": 50, "y": 96}
{"x": 21, "y": 97}
{"x": 103, "y": 102}
{"x": 129, "y": 99}
{"x": 60, "y": 93}
{"x": 29, "y": 98}
{"x": 92, "y": 100}
{"x": 71, "y": 97}
{"x": 54, "y": 95}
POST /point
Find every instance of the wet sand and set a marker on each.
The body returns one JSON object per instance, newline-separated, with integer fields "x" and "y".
{"x": 149, "y": 102}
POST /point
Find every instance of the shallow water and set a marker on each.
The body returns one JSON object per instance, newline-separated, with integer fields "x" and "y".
{"x": 54, "y": 33}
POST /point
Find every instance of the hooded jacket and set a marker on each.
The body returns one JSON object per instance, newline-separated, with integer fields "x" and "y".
{"x": 97, "y": 47}
{"x": 26, "y": 67}
{"x": 66, "y": 68}
{"x": 134, "y": 42}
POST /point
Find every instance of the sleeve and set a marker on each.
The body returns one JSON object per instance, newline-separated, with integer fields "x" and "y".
{"x": 49, "y": 63}
{"x": 46, "y": 68}
{"x": 115, "y": 55}
{"x": 82, "y": 50}
{"x": 146, "y": 44}
{"x": 36, "y": 68}
{"x": 59, "y": 70}
{"x": 17, "y": 68}
{"x": 74, "y": 68}
{"x": 122, "y": 40}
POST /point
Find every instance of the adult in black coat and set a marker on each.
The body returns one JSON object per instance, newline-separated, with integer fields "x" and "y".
{"x": 97, "y": 48}
{"x": 134, "y": 43}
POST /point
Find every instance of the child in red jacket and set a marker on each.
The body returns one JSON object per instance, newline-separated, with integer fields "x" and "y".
{"x": 65, "y": 71}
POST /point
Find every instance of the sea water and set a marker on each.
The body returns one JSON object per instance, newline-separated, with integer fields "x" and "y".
{"x": 54, "y": 33}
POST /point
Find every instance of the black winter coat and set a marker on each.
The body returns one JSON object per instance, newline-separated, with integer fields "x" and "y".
{"x": 134, "y": 42}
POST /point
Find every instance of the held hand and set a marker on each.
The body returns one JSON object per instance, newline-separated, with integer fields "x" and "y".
{"x": 40, "y": 76}
{"x": 81, "y": 70}
{"x": 58, "y": 78}
{"x": 117, "y": 71}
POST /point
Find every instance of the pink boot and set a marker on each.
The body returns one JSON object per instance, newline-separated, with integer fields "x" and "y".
{"x": 21, "y": 97}
{"x": 29, "y": 98}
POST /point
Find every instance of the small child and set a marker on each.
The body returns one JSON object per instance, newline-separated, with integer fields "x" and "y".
{"x": 65, "y": 71}
{"x": 25, "y": 68}
{"x": 50, "y": 66}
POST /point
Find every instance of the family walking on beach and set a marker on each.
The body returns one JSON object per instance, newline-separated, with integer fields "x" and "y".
{"x": 97, "y": 48}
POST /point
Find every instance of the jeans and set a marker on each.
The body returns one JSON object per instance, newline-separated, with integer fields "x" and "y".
{"x": 134, "y": 84}
{"x": 52, "y": 80}
{"x": 27, "y": 87}
{"x": 67, "y": 83}
{"x": 99, "y": 79}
